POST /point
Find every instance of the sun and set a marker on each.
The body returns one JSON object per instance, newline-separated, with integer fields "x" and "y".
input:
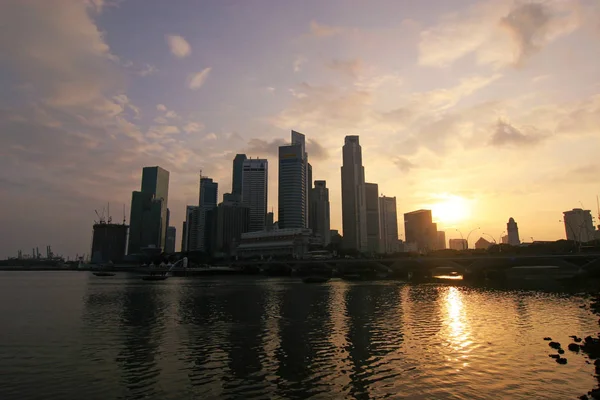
{"x": 451, "y": 209}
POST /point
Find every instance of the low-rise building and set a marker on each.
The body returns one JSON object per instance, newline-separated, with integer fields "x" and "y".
{"x": 291, "y": 242}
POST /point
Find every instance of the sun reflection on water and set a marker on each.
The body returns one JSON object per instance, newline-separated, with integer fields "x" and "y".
{"x": 458, "y": 332}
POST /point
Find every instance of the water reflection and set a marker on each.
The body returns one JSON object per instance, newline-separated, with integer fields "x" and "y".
{"x": 277, "y": 338}
{"x": 458, "y": 330}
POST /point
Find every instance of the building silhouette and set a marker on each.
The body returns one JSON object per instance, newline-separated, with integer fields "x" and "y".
{"x": 388, "y": 225}
{"x": 189, "y": 242}
{"x": 441, "y": 240}
{"x": 458, "y": 244}
{"x": 148, "y": 218}
{"x": 372, "y": 209}
{"x": 170, "y": 241}
{"x": 579, "y": 225}
{"x": 482, "y": 244}
{"x": 109, "y": 242}
{"x": 354, "y": 212}
{"x": 207, "y": 201}
{"x": 293, "y": 194}
{"x": 238, "y": 175}
{"x": 255, "y": 173}
{"x": 513, "y": 232}
{"x": 184, "y": 235}
{"x": 231, "y": 220}
{"x": 319, "y": 211}
{"x": 420, "y": 230}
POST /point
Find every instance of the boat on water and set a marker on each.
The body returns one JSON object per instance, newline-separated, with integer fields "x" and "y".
{"x": 315, "y": 279}
{"x": 103, "y": 273}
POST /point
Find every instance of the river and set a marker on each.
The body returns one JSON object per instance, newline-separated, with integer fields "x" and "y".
{"x": 71, "y": 335}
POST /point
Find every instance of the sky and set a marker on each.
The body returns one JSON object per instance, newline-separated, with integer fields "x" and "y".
{"x": 479, "y": 110}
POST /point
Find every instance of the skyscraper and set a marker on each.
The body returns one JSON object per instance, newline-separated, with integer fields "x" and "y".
{"x": 293, "y": 169}
{"x": 232, "y": 219}
{"x": 148, "y": 219}
{"x": 513, "y": 232}
{"x": 388, "y": 224}
{"x": 319, "y": 214}
{"x": 238, "y": 171}
{"x": 579, "y": 225}
{"x": 170, "y": 241}
{"x": 255, "y": 191}
{"x": 190, "y": 239}
{"x": 354, "y": 212}
{"x": 207, "y": 201}
{"x": 420, "y": 230}
{"x": 372, "y": 208}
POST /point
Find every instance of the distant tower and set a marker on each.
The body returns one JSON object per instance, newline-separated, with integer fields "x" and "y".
{"x": 513, "y": 232}
{"x": 319, "y": 211}
{"x": 354, "y": 212}
{"x": 255, "y": 191}
{"x": 293, "y": 183}
{"x": 372, "y": 208}
{"x": 388, "y": 224}
{"x": 238, "y": 175}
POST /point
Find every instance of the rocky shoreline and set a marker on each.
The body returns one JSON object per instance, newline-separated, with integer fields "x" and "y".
{"x": 588, "y": 346}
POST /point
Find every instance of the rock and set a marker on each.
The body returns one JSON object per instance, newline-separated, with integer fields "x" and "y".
{"x": 547, "y": 338}
{"x": 554, "y": 345}
{"x": 595, "y": 393}
{"x": 553, "y": 356}
{"x": 577, "y": 339}
{"x": 583, "y": 397}
{"x": 561, "y": 360}
{"x": 573, "y": 347}
{"x": 561, "y": 351}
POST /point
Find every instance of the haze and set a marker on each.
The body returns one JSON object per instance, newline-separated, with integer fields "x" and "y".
{"x": 482, "y": 110}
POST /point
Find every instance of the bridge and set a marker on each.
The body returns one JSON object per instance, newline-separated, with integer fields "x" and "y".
{"x": 470, "y": 267}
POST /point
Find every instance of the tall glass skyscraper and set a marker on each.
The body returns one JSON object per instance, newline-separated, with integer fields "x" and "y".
{"x": 148, "y": 219}
{"x": 354, "y": 212}
{"x": 238, "y": 174}
{"x": 255, "y": 191}
{"x": 207, "y": 202}
{"x": 293, "y": 183}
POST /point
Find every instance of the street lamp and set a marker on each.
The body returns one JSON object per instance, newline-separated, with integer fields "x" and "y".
{"x": 487, "y": 234}
{"x": 470, "y": 235}
{"x": 461, "y": 238}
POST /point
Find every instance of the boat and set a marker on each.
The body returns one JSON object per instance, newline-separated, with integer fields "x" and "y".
{"x": 315, "y": 279}
{"x": 154, "y": 277}
{"x": 103, "y": 273}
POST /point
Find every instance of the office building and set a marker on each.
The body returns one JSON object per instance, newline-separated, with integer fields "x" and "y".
{"x": 441, "y": 240}
{"x": 190, "y": 238}
{"x": 319, "y": 211}
{"x": 238, "y": 172}
{"x": 232, "y": 220}
{"x": 184, "y": 236}
{"x": 109, "y": 242}
{"x": 291, "y": 242}
{"x": 270, "y": 223}
{"x": 482, "y": 244}
{"x": 148, "y": 218}
{"x": 255, "y": 173}
{"x": 170, "y": 241}
{"x": 420, "y": 230}
{"x": 207, "y": 201}
{"x": 354, "y": 212}
{"x": 504, "y": 239}
{"x": 458, "y": 244}
{"x": 372, "y": 208}
{"x": 293, "y": 194}
{"x": 388, "y": 225}
{"x": 579, "y": 225}
{"x": 513, "y": 232}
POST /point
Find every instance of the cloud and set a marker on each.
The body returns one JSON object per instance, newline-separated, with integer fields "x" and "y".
{"x": 404, "y": 164}
{"x": 178, "y": 46}
{"x": 351, "y": 68}
{"x": 541, "y": 78}
{"x": 506, "y": 134}
{"x": 171, "y": 114}
{"x": 319, "y": 30}
{"x": 196, "y": 80}
{"x": 315, "y": 150}
{"x": 298, "y": 62}
{"x": 499, "y": 32}
{"x": 264, "y": 148}
{"x": 211, "y": 136}
{"x": 147, "y": 70}
{"x": 192, "y": 127}
{"x": 161, "y": 107}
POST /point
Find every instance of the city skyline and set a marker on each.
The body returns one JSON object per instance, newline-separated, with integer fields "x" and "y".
{"x": 477, "y": 110}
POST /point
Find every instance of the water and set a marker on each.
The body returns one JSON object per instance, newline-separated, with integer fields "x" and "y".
{"x": 71, "y": 335}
